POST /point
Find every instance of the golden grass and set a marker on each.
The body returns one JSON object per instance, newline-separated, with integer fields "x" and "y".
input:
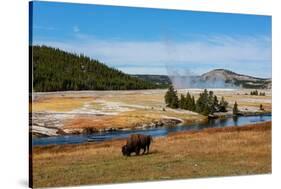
{"x": 211, "y": 152}
{"x": 150, "y": 100}
{"x": 129, "y": 119}
{"x": 59, "y": 104}
{"x": 250, "y": 101}
{"x": 97, "y": 106}
{"x": 147, "y": 98}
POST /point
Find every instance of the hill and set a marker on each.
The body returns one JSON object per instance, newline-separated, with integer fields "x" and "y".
{"x": 235, "y": 79}
{"x": 220, "y": 78}
{"x": 57, "y": 70}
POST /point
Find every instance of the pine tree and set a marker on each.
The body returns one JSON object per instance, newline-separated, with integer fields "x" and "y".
{"x": 56, "y": 70}
{"x": 216, "y": 103}
{"x": 168, "y": 96}
{"x": 206, "y": 104}
{"x": 199, "y": 104}
{"x": 175, "y": 102}
{"x": 235, "y": 108}
{"x": 171, "y": 98}
{"x": 211, "y": 101}
{"x": 255, "y": 92}
{"x": 188, "y": 102}
{"x": 182, "y": 102}
{"x": 223, "y": 105}
{"x": 193, "y": 104}
{"x": 261, "y": 107}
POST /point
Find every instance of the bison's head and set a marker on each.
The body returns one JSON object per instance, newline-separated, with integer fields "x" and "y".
{"x": 125, "y": 150}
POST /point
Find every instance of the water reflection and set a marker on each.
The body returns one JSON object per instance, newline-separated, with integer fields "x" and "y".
{"x": 235, "y": 120}
{"x": 156, "y": 132}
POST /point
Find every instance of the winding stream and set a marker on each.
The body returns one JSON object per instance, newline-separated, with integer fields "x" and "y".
{"x": 155, "y": 132}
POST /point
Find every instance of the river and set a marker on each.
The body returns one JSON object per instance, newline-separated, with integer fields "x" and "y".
{"x": 155, "y": 132}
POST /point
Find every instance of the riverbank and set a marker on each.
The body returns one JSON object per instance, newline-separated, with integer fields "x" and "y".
{"x": 210, "y": 152}
{"x": 76, "y": 112}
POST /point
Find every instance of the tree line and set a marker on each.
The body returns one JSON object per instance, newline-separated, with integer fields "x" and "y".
{"x": 206, "y": 104}
{"x": 57, "y": 70}
{"x": 256, "y": 93}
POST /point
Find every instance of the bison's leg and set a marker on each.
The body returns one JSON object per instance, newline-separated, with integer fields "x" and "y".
{"x": 148, "y": 148}
{"x": 144, "y": 149}
{"x": 137, "y": 151}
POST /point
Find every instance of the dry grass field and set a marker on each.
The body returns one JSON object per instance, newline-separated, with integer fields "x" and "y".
{"x": 207, "y": 153}
{"x": 59, "y": 104}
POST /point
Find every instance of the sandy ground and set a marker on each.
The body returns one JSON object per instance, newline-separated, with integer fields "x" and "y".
{"x": 72, "y": 111}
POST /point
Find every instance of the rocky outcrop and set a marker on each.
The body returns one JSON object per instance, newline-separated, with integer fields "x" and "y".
{"x": 47, "y": 124}
{"x": 89, "y": 130}
{"x": 158, "y": 123}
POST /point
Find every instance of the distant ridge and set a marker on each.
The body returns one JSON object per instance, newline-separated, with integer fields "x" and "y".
{"x": 163, "y": 80}
{"x": 217, "y": 78}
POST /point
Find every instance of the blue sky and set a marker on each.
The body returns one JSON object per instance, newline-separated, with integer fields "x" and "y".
{"x": 157, "y": 41}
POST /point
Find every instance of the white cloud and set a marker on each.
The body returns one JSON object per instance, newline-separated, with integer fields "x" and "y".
{"x": 206, "y": 50}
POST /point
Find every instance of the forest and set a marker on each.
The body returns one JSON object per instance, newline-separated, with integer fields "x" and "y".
{"x": 57, "y": 70}
{"x": 206, "y": 104}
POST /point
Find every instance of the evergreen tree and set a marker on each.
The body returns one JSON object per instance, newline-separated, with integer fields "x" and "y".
{"x": 171, "y": 98}
{"x": 223, "y": 105}
{"x": 255, "y": 92}
{"x": 57, "y": 70}
{"x": 182, "y": 102}
{"x": 199, "y": 104}
{"x": 175, "y": 102}
{"x": 203, "y": 105}
{"x": 261, "y": 107}
{"x": 211, "y": 101}
{"x": 188, "y": 102}
{"x": 206, "y": 104}
{"x": 235, "y": 108}
{"x": 193, "y": 104}
{"x": 216, "y": 103}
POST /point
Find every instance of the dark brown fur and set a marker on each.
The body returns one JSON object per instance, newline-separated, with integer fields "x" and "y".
{"x": 135, "y": 143}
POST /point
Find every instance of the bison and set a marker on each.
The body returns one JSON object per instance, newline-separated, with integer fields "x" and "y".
{"x": 135, "y": 143}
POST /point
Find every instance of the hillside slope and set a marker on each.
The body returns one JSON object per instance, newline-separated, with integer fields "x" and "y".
{"x": 57, "y": 70}
{"x": 163, "y": 80}
{"x": 236, "y": 79}
{"x": 220, "y": 78}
